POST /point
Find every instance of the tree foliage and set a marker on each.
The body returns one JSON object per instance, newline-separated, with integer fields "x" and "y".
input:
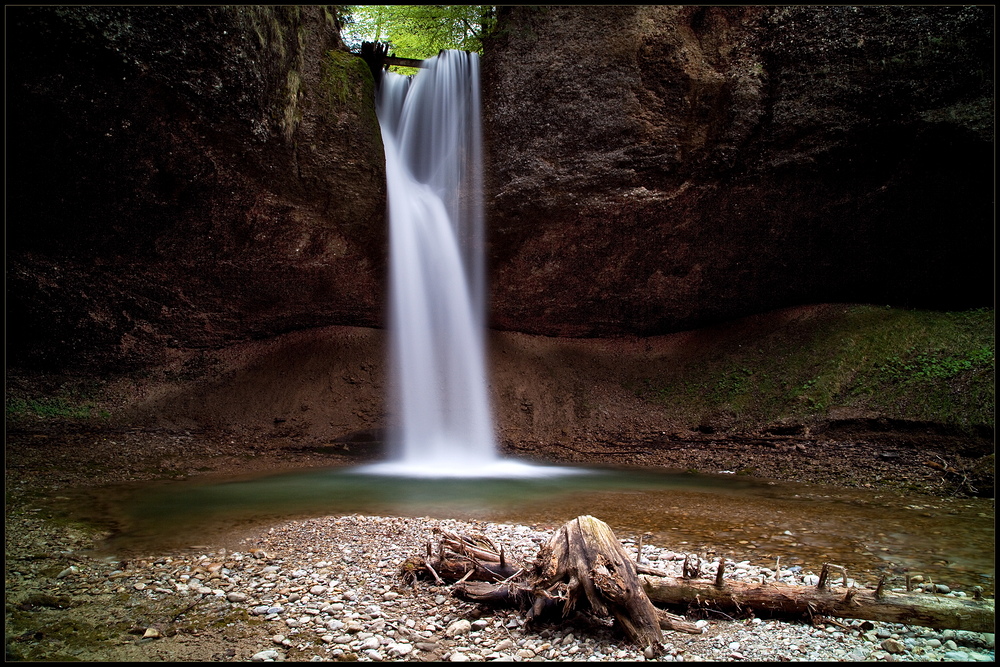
{"x": 418, "y": 31}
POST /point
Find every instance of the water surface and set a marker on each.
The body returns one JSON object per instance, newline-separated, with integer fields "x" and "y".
{"x": 742, "y": 518}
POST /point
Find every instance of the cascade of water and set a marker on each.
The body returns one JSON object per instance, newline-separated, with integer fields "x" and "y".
{"x": 433, "y": 149}
{"x": 431, "y": 132}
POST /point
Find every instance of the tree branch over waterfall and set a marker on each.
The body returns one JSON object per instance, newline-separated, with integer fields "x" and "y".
{"x": 419, "y": 31}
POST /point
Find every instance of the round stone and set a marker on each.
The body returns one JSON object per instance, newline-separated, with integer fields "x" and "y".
{"x": 262, "y": 656}
{"x": 401, "y": 649}
{"x": 459, "y": 627}
{"x": 893, "y": 646}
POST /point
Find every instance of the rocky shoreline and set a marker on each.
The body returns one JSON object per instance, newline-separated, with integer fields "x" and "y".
{"x": 328, "y": 588}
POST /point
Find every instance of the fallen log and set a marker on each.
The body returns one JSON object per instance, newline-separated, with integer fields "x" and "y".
{"x": 508, "y": 594}
{"x": 403, "y": 62}
{"x": 376, "y": 55}
{"x": 805, "y": 602}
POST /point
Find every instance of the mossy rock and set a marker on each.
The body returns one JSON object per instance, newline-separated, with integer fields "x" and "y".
{"x": 348, "y": 81}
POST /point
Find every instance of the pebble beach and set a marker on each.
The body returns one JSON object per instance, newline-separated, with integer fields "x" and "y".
{"x": 329, "y": 589}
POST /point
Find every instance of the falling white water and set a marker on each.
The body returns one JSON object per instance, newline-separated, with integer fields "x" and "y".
{"x": 433, "y": 150}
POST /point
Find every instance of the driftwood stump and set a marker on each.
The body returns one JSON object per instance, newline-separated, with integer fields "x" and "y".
{"x": 584, "y": 566}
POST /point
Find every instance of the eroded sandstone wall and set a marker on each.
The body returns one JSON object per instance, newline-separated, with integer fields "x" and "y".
{"x": 185, "y": 177}
{"x": 190, "y": 177}
{"x": 657, "y": 168}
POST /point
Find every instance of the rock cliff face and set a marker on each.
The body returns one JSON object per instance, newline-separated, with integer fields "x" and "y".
{"x": 658, "y": 168}
{"x": 184, "y": 177}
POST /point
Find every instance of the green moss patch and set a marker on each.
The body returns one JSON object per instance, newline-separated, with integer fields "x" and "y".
{"x": 347, "y": 80}
{"x": 47, "y": 408}
{"x": 901, "y": 364}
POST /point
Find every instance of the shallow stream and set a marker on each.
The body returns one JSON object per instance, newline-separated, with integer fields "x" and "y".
{"x": 950, "y": 540}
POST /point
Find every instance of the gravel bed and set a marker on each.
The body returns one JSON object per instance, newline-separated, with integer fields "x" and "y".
{"x": 329, "y": 589}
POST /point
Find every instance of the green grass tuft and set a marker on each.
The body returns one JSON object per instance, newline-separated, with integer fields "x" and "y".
{"x": 50, "y": 408}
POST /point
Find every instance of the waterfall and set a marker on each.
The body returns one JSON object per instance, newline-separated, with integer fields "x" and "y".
{"x": 433, "y": 149}
{"x": 432, "y": 136}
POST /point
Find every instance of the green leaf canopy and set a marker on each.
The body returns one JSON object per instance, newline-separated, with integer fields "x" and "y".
{"x": 418, "y": 31}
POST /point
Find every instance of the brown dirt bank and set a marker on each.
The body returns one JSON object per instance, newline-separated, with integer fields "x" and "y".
{"x": 38, "y": 463}
{"x": 316, "y": 397}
